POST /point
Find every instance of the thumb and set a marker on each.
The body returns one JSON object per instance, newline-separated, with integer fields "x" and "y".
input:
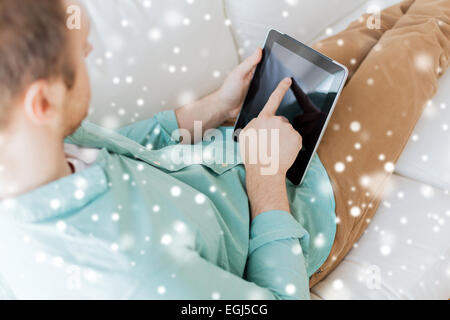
{"x": 276, "y": 98}
{"x": 251, "y": 62}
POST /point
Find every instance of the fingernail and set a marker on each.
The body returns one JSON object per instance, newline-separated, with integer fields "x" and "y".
{"x": 287, "y": 80}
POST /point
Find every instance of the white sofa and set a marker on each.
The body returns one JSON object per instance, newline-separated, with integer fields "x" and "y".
{"x": 154, "y": 55}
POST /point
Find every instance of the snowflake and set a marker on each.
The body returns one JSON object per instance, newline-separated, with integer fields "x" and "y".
{"x": 319, "y": 240}
{"x": 179, "y": 226}
{"x": 389, "y": 167}
{"x": 115, "y": 217}
{"x": 385, "y": 250}
{"x": 290, "y": 289}
{"x": 154, "y": 34}
{"x": 296, "y": 249}
{"x": 129, "y": 79}
{"x": 423, "y": 62}
{"x": 200, "y": 198}
{"x": 355, "y": 126}
{"x": 338, "y": 284}
{"x": 79, "y": 194}
{"x": 215, "y": 295}
{"x": 161, "y": 290}
{"x": 55, "y": 204}
{"x": 365, "y": 181}
{"x": 61, "y": 226}
{"x": 166, "y": 239}
{"x": 339, "y": 167}
{"x": 355, "y": 211}
{"x": 292, "y": 3}
{"x": 426, "y": 191}
{"x": 175, "y": 191}
{"x": 57, "y": 262}
{"x": 172, "y": 69}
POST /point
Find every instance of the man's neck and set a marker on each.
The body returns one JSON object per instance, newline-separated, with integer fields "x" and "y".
{"x": 30, "y": 159}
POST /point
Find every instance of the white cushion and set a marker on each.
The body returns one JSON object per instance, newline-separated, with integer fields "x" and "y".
{"x": 134, "y": 69}
{"x": 427, "y": 155}
{"x": 406, "y": 247}
{"x": 302, "y": 19}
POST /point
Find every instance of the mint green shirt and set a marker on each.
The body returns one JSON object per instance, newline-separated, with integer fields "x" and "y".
{"x": 139, "y": 224}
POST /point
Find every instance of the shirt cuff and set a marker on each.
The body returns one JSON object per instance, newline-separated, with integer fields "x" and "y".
{"x": 272, "y": 226}
{"x": 169, "y": 123}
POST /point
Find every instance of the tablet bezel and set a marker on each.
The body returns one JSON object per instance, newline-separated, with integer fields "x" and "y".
{"x": 313, "y": 56}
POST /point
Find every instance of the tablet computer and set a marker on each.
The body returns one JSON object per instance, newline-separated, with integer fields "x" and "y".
{"x": 317, "y": 82}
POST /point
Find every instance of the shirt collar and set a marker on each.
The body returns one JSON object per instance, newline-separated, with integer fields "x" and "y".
{"x": 59, "y": 198}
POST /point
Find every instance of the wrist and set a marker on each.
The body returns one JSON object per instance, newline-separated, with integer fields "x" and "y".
{"x": 255, "y": 172}
{"x": 266, "y": 192}
{"x": 224, "y": 112}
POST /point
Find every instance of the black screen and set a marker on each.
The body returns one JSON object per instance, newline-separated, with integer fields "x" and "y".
{"x": 307, "y": 103}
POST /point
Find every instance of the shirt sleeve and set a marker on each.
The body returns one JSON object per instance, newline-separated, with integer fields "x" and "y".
{"x": 154, "y": 133}
{"x": 276, "y": 268}
{"x": 276, "y": 259}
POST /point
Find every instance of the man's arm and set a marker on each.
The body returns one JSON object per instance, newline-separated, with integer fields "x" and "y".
{"x": 267, "y": 192}
{"x": 275, "y": 250}
{"x": 210, "y": 111}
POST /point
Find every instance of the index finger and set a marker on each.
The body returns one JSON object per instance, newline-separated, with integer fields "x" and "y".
{"x": 276, "y": 98}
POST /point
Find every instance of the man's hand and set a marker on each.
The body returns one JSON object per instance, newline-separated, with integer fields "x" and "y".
{"x": 268, "y": 192}
{"x": 233, "y": 91}
{"x": 221, "y": 105}
{"x": 273, "y": 134}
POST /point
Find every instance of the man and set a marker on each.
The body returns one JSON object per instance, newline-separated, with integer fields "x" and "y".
{"x": 109, "y": 215}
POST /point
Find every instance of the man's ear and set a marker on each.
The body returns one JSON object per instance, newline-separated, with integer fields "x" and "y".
{"x": 43, "y": 100}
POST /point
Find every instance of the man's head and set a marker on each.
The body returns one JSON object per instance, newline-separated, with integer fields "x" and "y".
{"x": 43, "y": 76}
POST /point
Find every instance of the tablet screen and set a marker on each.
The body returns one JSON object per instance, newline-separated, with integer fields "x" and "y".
{"x": 307, "y": 104}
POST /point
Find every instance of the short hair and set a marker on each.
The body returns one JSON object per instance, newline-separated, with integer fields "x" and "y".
{"x": 34, "y": 45}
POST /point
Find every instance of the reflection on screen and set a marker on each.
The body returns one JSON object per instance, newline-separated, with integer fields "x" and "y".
{"x": 307, "y": 103}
